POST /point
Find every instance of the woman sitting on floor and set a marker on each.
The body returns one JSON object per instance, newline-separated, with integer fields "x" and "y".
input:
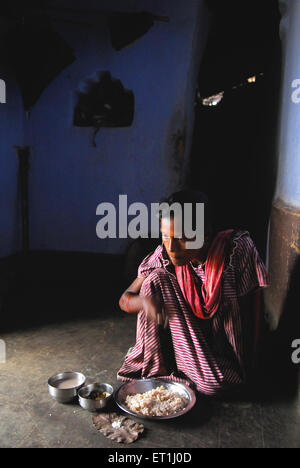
{"x": 197, "y": 293}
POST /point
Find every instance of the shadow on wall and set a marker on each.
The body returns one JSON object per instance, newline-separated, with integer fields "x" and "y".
{"x": 46, "y": 287}
{"x": 233, "y": 159}
{"x": 278, "y": 368}
{"x": 234, "y": 143}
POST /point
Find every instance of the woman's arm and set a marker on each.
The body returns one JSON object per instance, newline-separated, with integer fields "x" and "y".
{"x": 131, "y": 302}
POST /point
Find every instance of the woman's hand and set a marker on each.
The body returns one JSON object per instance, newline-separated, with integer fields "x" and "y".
{"x": 154, "y": 310}
{"x": 131, "y": 302}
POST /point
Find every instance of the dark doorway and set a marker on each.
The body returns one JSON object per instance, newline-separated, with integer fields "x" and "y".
{"x": 233, "y": 150}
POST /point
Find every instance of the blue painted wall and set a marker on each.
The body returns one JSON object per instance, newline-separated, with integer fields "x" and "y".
{"x": 11, "y": 133}
{"x": 68, "y": 176}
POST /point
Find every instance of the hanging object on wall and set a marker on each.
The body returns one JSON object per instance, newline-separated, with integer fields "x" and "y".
{"x": 105, "y": 103}
{"x": 37, "y": 54}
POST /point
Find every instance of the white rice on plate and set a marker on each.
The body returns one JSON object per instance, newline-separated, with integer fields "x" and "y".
{"x": 156, "y": 402}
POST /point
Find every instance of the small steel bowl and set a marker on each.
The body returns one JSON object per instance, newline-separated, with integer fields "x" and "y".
{"x": 144, "y": 385}
{"x": 65, "y": 395}
{"x": 94, "y": 405}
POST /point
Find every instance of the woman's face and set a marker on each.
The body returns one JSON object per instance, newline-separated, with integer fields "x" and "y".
{"x": 176, "y": 247}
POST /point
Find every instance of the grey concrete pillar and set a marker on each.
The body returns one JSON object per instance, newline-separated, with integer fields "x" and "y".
{"x": 284, "y": 233}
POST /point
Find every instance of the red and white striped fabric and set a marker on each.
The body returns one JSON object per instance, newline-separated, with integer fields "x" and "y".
{"x": 208, "y": 360}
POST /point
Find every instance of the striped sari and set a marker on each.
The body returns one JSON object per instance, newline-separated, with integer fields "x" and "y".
{"x": 209, "y": 354}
